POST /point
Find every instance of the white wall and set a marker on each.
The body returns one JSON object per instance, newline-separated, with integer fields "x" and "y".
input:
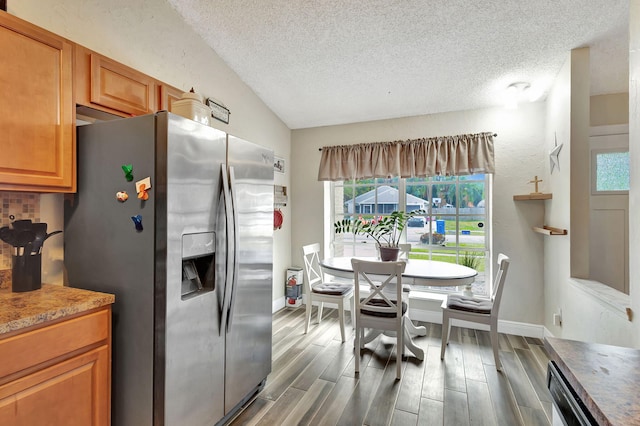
{"x": 585, "y": 315}
{"x": 150, "y": 36}
{"x": 520, "y": 155}
{"x": 634, "y": 153}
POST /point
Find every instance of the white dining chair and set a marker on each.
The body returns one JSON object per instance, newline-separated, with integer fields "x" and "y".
{"x": 403, "y": 254}
{"x": 320, "y": 291}
{"x": 405, "y": 249}
{"x": 478, "y": 310}
{"x": 383, "y": 308}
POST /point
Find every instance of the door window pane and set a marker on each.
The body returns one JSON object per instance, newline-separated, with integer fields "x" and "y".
{"x": 612, "y": 171}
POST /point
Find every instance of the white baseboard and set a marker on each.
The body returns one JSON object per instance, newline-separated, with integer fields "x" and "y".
{"x": 504, "y": 326}
{"x": 278, "y": 304}
{"x": 521, "y": 329}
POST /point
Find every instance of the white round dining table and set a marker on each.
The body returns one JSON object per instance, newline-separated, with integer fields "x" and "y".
{"x": 418, "y": 272}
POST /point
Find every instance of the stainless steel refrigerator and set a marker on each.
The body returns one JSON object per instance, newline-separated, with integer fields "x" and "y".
{"x": 190, "y": 266}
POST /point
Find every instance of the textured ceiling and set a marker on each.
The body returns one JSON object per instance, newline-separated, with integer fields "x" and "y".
{"x": 325, "y": 62}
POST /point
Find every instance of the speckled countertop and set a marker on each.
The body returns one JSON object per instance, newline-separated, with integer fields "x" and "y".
{"x": 606, "y": 378}
{"x": 20, "y": 310}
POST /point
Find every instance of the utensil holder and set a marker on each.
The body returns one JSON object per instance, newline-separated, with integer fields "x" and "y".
{"x": 26, "y": 272}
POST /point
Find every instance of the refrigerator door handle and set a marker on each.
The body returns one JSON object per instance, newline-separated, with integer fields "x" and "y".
{"x": 236, "y": 266}
{"x": 230, "y": 252}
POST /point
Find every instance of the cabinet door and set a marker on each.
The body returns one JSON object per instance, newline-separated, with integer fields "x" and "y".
{"x": 111, "y": 86}
{"x": 37, "y": 137}
{"x": 168, "y": 94}
{"x": 73, "y": 392}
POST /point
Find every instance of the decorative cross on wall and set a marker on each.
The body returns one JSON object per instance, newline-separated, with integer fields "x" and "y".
{"x": 535, "y": 181}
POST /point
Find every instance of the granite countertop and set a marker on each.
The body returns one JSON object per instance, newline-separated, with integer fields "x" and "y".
{"x": 21, "y": 310}
{"x": 606, "y": 378}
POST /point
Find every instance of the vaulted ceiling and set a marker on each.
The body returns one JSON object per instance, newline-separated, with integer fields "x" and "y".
{"x": 326, "y": 62}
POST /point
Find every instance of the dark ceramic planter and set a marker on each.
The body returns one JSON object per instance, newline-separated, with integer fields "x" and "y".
{"x": 389, "y": 254}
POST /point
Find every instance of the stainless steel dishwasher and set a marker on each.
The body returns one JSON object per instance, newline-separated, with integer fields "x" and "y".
{"x": 568, "y": 409}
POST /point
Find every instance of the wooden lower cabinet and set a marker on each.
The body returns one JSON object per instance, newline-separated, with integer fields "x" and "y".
{"x": 65, "y": 387}
{"x": 73, "y": 392}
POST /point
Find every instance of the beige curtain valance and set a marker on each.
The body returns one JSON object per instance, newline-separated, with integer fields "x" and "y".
{"x": 446, "y": 156}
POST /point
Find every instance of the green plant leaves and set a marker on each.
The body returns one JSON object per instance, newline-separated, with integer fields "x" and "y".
{"x": 472, "y": 260}
{"x": 385, "y": 230}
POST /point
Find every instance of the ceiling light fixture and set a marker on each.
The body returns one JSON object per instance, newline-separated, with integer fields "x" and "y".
{"x": 516, "y": 93}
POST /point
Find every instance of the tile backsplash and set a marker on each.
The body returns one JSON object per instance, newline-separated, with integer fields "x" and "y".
{"x": 16, "y": 206}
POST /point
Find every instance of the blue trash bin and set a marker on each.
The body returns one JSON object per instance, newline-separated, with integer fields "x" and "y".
{"x": 440, "y": 226}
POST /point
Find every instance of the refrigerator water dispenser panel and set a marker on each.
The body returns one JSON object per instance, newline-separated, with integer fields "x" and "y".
{"x": 198, "y": 272}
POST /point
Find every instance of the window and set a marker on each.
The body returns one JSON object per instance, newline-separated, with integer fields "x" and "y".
{"x": 455, "y": 227}
{"x": 609, "y": 171}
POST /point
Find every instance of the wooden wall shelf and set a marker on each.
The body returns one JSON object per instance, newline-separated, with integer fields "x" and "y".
{"x": 550, "y": 230}
{"x": 533, "y": 196}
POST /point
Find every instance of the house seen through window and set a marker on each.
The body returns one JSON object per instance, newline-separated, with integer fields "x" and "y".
{"x": 455, "y": 227}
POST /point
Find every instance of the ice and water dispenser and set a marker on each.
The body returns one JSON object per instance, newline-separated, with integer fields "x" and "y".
{"x": 198, "y": 266}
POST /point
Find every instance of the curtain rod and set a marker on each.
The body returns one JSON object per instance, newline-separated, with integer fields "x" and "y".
{"x": 495, "y": 135}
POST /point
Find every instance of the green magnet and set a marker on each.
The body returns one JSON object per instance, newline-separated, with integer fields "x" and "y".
{"x": 128, "y": 171}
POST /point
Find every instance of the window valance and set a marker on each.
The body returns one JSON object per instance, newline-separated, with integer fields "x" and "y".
{"x": 447, "y": 156}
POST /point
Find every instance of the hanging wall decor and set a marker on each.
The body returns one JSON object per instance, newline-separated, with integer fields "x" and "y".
{"x": 218, "y": 111}
{"x": 554, "y": 154}
{"x": 278, "y": 164}
{"x": 278, "y": 218}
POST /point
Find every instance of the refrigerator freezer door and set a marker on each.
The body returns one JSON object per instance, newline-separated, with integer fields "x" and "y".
{"x": 168, "y": 354}
{"x": 103, "y": 251}
{"x": 193, "y": 349}
{"x": 248, "y": 357}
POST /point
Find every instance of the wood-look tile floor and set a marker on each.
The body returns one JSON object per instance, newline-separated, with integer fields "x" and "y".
{"x": 313, "y": 381}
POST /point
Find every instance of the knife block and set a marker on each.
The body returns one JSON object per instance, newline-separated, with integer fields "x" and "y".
{"x": 26, "y": 273}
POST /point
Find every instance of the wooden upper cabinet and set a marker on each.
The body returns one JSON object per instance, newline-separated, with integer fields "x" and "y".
{"x": 167, "y": 94}
{"x": 37, "y": 136}
{"x": 107, "y": 85}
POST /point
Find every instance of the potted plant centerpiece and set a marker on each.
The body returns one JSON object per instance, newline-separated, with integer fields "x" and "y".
{"x": 385, "y": 230}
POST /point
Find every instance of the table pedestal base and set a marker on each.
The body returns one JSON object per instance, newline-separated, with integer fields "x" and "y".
{"x": 409, "y": 330}
{"x": 413, "y": 330}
